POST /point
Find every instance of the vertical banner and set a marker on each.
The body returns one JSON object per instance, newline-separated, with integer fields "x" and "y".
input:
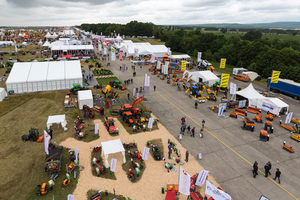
{"x": 224, "y": 80}
{"x": 99, "y": 46}
{"x": 199, "y": 56}
{"x": 201, "y": 178}
{"x": 105, "y": 51}
{"x": 242, "y": 104}
{"x": 184, "y": 182}
{"x": 113, "y": 54}
{"x": 113, "y": 164}
{"x": 70, "y": 197}
{"x": 232, "y": 88}
{"x": 133, "y": 92}
{"x": 96, "y": 129}
{"x": 147, "y": 84}
{"x": 152, "y": 58}
{"x": 158, "y": 64}
{"x": 136, "y": 52}
{"x": 137, "y": 95}
{"x": 183, "y": 65}
{"x": 275, "y": 76}
{"x": 121, "y": 55}
{"x": 215, "y": 193}
{"x": 150, "y": 123}
{"x": 223, "y": 63}
{"x": 46, "y": 142}
{"x": 145, "y": 153}
{"x": 222, "y": 107}
{"x": 288, "y": 118}
{"x": 165, "y": 68}
{"x": 123, "y": 67}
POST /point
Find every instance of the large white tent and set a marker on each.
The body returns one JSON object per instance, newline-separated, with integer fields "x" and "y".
{"x": 85, "y": 97}
{"x": 255, "y": 99}
{"x": 57, "y": 119}
{"x": 204, "y": 76}
{"x": 44, "y": 76}
{"x": 3, "y": 94}
{"x": 111, "y": 147}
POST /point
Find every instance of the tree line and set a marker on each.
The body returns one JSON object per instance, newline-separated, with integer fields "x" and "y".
{"x": 249, "y": 51}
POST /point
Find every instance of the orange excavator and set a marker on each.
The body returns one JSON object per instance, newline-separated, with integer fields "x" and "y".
{"x": 241, "y": 77}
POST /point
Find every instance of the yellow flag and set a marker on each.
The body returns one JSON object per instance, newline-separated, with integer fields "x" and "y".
{"x": 222, "y": 63}
{"x": 183, "y": 65}
{"x": 224, "y": 80}
{"x": 275, "y": 76}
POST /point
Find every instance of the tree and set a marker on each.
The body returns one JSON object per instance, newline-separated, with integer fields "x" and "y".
{"x": 252, "y": 35}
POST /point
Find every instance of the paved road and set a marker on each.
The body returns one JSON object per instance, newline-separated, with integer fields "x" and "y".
{"x": 228, "y": 151}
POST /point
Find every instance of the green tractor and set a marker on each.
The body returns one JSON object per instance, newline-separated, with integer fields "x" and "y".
{"x": 76, "y": 87}
{"x": 116, "y": 84}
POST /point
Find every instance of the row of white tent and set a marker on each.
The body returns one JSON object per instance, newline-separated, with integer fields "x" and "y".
{"x": 44, "y": 76}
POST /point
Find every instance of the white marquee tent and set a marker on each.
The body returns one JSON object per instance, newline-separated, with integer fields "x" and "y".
{"x": 44, "y": 76}
{"x": 3, "y": 94}
{"x": 111, "y": 147}
{"x": 85, "y": 97}
{"x": 57, "y": 119}
{"x": 206, "y": 77}
{"x": 273, "y": 105}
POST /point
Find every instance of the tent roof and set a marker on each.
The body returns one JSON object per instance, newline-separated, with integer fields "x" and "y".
{"x": 19, "y": 73}
{"x": 277, "y": 102}
{"x": 46, "y": 44}
{"x": 56, "y": 71}
{"x": 73, "y": 69}
{"x": 183, "y": 56}
{"x": 38, "y": 72}
{"x": 72, "y": 47}
{"x": 250, "y": 93}
{"x": 112, "y": 146}
{"x": 85, "y": 94}
{"x": 208, "y": 75}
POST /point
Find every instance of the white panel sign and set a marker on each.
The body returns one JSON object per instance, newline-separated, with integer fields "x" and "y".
{"x": 113, "y": 164}
{"x": 289, "y": 118}
{"x": 201, "y": 178}
{"x": 214, "y": 192}
{"x": 232, "y": 88}
{"x": 184, "y": 182}
{"x": 145, "y": 153}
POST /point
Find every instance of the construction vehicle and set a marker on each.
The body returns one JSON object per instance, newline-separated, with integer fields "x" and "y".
{"x": 135, "y": 110}
{"x": 113, "y": 94}
{"x": 248, "y": 125}
{"x": 32, "y": 136}
{"x": 295, "y": 137}
{"x": 294, "y": 120}
{"x": 76, "y": 87}
{"x": 45, "y": 187}
{"x": 110, "y": 126}
{"x": 264, "y": 135}
{"x": 270, "y": 116}
{"x": 106, "y": 90}
{"x": 128, "y": 118}
{"x": 125, "y": 108}
{"x": 269, "y": 126}
{"x": 258, "y": 117}
{"x": 288, "y": 148}
{"x": 241, "y": 77}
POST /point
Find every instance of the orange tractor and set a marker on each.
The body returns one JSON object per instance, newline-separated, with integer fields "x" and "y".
{"x": 248, "y": 125}
{"x": 136, "y": 112}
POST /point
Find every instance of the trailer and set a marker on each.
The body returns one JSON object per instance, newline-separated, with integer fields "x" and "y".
{"x": 285, "y": 86}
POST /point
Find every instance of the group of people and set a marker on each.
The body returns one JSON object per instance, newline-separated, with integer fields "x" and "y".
{"x": 190, "y": 131}
{"x": 267, "y": 167}
{"x": 126, "y": 82}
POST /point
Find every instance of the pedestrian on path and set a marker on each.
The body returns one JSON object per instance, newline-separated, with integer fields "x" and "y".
{"x": 120, "y": 68}
{"x": 128, "y": 96}
{"x": 203, "y": 123}
{"x": 277, "y": 175}
{"x": 267, "y": 170}
{"x": 180, "y": 137}
{"x": 154, "y": 88}
{"x": 169, "y": 153}
{"x": 196, "y": 104}
{"x": 193, "y": 132}
{"x": 270, "y": 167}
{"x": 187, "y": 156}
{"x": 255, "y": 169}
{"x": 131, "y": 80}
{"x": 188, "y": 129}
{"x": 134, "y": 74}
{"x": 201, "y": 133}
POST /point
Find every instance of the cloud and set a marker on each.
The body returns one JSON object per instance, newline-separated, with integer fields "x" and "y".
{"x": 76, "y": 12}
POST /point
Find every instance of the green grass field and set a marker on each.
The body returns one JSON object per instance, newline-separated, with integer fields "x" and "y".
{"x": 150, "y": 40}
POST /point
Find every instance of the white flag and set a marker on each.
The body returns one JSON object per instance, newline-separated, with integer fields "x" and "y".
{"x": 152, "y": 58}
{"x": 222, "y": 107}
{"x": 96, "y": 129}
{"x": 199, "y": 56}
{"x": 289, "y": 118}
{"x": 113, "y": 54}
{"x": 16, "y": 48}
{"x": 158, "y": 64}
{"x": 150, "y": 122}
{"x": 147, "y": 80}
{"x": 105, "y": 51}
{"x": 136, "y": 52}
{"x": 232, "y": 88}
{"x": 99, "y": 46}
{"x": 133, "y": 92}
{"x": 201, "y": 178}
{"x": 214, "y": 192}
{"x": 70, "y": 197}
{"x": 145, "y": 153}
{"x": 184, "y": 182}
{"x": 113, "y": 164}
{"x": 46, "y": 142}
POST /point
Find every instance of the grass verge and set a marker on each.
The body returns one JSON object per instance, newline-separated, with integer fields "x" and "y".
{"x": 159, "y": 144}
{"x": 108, "y": 174}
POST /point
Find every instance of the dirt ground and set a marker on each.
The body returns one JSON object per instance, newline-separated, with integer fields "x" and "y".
{"x": 154, "y": 177}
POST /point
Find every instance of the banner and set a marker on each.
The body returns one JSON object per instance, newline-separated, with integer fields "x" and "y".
{"x": 105, "y": 51}
{"x": 76, "y": 153}
{"x": 46, "y": 142}
{"x": 165, "y": 68}
{"x": 275, "y": 76}
{"x": 121, "y": 55}
{"x": 201, "y": 178}
{"x": 222, "y": 63}
{"x": 215, "y": 193}
{"x": 137, "y": 95}
{"x": 150, "y": 122}
{"x": 288, "y": 118}
{"x": 147, "y": 84}
{"x": 152, "y": 58}
{"x": 242, "y": 104}
{"x": 145, "y": 153}
{"x": 222, "y": 107}
{"x": 199, "y": 56}
{"x": 70, "y": 197}
{"x": 184, "y": 182}
{"x": 136, "y": 52}
{"x": 183, "y": 65}
{"x": 96, "y": 129}
{"x": 158, "y": 65}
{"x": 232, "y": 88}
{"x": 113, "y": 54}
{"x": 16, "y": 48}
{"x": 123, "y": 67}
{"x": 133, "y": 92}
{"x": 99, "y": 46}
{"x": 113, "y": 164}
{"x": 262, "y": 197}
{"x": 224, "y": 80}
{"x": 267, "y": 107}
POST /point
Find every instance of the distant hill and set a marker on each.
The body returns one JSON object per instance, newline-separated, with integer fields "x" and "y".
{"x": 273, "y": 25}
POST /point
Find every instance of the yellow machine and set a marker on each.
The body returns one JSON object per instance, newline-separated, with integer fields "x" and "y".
{"x": 294, "y": 120}
{"x": 295, "y": 137}
{"x": 106, "y": 89}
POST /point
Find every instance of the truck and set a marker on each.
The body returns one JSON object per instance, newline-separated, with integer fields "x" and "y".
{"x": 285, "y": 86}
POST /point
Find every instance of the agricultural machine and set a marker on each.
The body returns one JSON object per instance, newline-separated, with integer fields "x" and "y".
{"x": 53, "y": 161}
{"x": 79, "y": 125}
{"x": 33, "y": 136}
{"x": 116, "y": 84}
{"x": 264, "y": 135}
{"x": 110, "y": 126}
{"x": 155, "y": 151}
{"x": 128, "y": 111}
{"x": 248, "y": 125}
{"x": 269, "y": 126}
{"x": 45, "y": 188}
{"x": 76, "y": 87}
{"x": 88, "y": 112}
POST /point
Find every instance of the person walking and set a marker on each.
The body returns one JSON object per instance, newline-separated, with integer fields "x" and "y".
{"x": 154, "y": 88}
{"x": 120, "y": 68}
{"x": 255, "y": 169}
{"x": 196, "y": 104}
{"x": 128, "y": 96}
{"x": 277, "y": 175}
{"x": 188, "y": 129}
{"x": 169, "y": 153}
{"x": 270, "y": 167}
{"x": 203, "y": 123}
{"x": 187, "y": 156}
{"x": 201, "y": 133}
{"x": 267, "y": 170}
{"x": 193, "y": 132}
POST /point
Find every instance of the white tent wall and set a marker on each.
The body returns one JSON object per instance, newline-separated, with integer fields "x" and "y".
{"x": 206, "y": 76}
{"x": 73, "y": 73}
{"x": 3, "y": 94}
{"x": 37, "y": 76}
{"x": 17, "y": 79}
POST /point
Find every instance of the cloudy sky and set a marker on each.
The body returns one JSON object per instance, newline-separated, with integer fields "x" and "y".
{"x": 76, "y": 12}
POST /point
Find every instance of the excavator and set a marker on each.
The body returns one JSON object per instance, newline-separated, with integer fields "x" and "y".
{"x": 132, "y": 109}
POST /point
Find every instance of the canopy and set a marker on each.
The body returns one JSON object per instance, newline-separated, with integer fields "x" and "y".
{"x": 252, "y": 75}
{"x": 111, "y": 147}
{"x": 206, "y": 76}
{"x": 273, "y": 105}
{"x": 57, "y": 119}
{"x": 180, "y": 57}
{"x": 85, "y": 97}
{"x": 3, "y": 94}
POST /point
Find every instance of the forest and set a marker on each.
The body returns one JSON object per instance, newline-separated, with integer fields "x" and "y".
{"x": 249, "y": 50}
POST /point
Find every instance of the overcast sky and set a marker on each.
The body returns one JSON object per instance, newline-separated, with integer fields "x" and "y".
{"x": 76, "y": 12}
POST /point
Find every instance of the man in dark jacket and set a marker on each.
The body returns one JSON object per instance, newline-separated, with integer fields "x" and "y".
{"x": 267, "y": 170}
{"x": 187, "y": 156}
{"x": 255, "y": 169}
{"x": 277, "y": 175}
{"x": 270, "y": 167}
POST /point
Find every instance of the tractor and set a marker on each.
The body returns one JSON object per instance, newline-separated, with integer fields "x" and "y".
{"x": 116, "y": 84}
{"x": 88, "y": 112}
{"x": 76, "y": 87}
{"x": 110, "y": 126}
{"x": 32, "y": 136}
{"x": 248, "y": 125}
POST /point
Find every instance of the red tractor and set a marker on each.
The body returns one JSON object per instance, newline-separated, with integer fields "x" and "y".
{"x": 110, "y": 126}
